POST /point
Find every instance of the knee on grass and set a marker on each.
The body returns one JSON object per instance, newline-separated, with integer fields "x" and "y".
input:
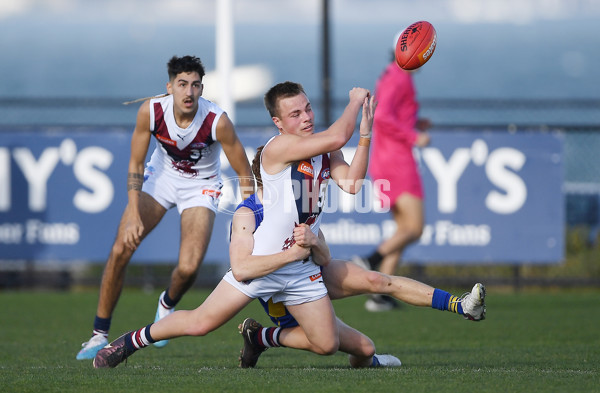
{"x": 366, "y": 350}
{"x": 360, "y": 352}
{"x": 363, "y": 356}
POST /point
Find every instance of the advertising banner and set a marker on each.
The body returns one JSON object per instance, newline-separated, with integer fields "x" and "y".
{"x": 490, "y": 197}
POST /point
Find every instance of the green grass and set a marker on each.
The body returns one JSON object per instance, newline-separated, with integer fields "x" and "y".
{"x": 530, "y": 342}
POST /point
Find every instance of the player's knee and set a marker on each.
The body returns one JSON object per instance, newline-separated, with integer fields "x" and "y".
{"x": 187, "y": 271}
{"x": 197, "y": 328}
{"x": 328, "y": 351}
{"x": 363, "y": 347}
{"x": 328, "y": 348}
{"x": 378, "y": 282}
{"x": 197, "y": 331}
{"x": 414, "y": 233}
{"x": 368, "y": 348}
{"x": 362, "y": 354}
{"x": 120, "y": 253}
{"x": 407, "y": 234}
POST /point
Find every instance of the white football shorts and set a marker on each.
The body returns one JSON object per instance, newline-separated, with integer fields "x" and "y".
{"x": 290, "y": 289}
{"x": 182, "y": 192}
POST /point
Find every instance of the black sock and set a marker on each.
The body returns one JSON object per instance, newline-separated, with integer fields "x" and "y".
{"x": 375, "y": 260}
{"x": 129, "y": 343}
{"x": 101, "y": 326}
{"x": 167, "y": 301}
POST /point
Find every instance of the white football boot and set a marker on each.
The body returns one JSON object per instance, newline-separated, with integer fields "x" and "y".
{"x": 162, "y": 312}
{"x": 90, "y": 348}
{"x": 473, "y": 303}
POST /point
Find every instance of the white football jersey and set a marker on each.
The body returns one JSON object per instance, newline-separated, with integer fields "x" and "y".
{"x": 293, "y": 196}
{"x": 189, "y": 152}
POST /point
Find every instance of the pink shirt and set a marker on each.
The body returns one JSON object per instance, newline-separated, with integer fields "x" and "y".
{"x": 394, "y": 134}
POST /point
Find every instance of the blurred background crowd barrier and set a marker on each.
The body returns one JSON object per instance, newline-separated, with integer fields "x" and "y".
{"x": 516, "y": 201}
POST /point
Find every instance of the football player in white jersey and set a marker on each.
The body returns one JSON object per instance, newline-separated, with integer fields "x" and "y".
{"x": 288, "y": 273}
{"x": 342, "y": 279}
{"x": 184, "y": 172}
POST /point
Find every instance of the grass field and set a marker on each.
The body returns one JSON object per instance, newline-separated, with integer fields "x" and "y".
{"x": 530, "y": 342}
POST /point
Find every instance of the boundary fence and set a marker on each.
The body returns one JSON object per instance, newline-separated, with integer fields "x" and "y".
{"x": 578, "y": 119}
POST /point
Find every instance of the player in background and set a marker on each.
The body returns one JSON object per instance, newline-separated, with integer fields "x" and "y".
{"x": 396, "y": 130}
{"x": 295, "y": 169}
{"x": 342, "y": 279}
{"x": 184, "y": 171}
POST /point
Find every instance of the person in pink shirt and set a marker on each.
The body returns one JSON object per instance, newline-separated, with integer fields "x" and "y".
{"x": 394, "y": 171}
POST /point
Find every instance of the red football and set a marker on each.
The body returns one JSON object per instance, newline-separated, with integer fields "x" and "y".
{"x": 415, "y": 45}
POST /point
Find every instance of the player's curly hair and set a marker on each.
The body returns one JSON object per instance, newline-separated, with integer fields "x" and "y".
{"x": 177, "y": 65}
{"x": 281, "y": 90}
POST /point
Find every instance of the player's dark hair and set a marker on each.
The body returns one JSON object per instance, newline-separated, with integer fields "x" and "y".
{"x": 279, "y": 91}
{"x": 177, "y": 65}
{"x": 256, "y": 166}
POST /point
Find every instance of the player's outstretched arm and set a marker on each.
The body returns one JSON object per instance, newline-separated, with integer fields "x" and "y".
{"x": 350, "y": 177}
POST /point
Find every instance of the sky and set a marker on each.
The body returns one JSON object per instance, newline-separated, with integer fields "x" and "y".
{"x": 162, "y": 12}
{"x": 118, "y": 48}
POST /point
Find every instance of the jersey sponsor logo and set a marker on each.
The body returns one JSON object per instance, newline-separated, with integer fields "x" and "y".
{"x": 325, "y": 174}
{"x": 211, "y": 193}
{"x": 315, "y": 277}
{"x": 165, "y": 140}
{"x": 306, "y": 168}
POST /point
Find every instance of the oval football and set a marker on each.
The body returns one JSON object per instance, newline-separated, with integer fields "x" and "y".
{"x": 416, "y": 45}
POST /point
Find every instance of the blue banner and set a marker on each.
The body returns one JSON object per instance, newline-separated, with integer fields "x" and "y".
{"x": 490, "y": 197}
